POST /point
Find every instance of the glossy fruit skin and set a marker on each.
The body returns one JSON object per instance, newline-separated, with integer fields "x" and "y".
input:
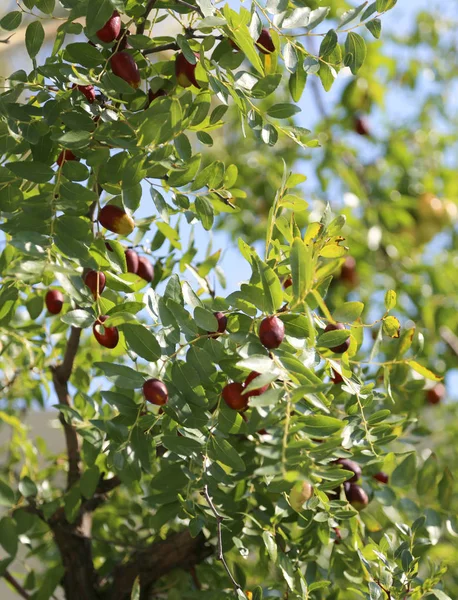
{"x": 257, "y": 391}
{"x": 271, "y": 332}
{"x": 233, "y": 396}
{"x": 111, "y": 29}
{"x": 381, "y": 477}
{"x": 362, "y": 126}
{"x": 124, "y": 66}
{"x": 86, "y": 90}
{"x": 265, "y": 43}
{"x": 287, "y": 283}
{"x": 131, "y": 261}
{"x": 155, "y": 391}
{"x": 435, "y": 394}
{"x": 350, "y": 465}
{"x": 185, "y": 72}
{"x": 65, "y": 155}
{"x": 54, "y": 301}
{"x": 95, "y": 281}
{"x": 115, "y": 219}
{"x": 356, "y": 496}
{"x": 222, "y": 323}
{"x": 341, "y": 348}
{"x": 336, "y": 378}
{"x": 348, "y": 273}
{"x": 145, "y": 269}
{"x": 153, "y": 95}
{"x": 109, "y": 338}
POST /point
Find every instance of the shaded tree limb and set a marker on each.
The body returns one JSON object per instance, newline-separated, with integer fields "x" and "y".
{"x": 100, "y": 496}
{"x": 61, "y": 376}
{"x": 178, "y": 551}
{"x": 14, "y": 583}
{"x": 148, "y": 9}
{"x": 163, "y": 48}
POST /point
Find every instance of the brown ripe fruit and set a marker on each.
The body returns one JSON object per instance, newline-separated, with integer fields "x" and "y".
{"x": 271, "y": 332}
{"x": 106, "y": 336}
{"x": 350, "y": 465}
{"x": 348, "y": 273}
{"x": 115, "y": 219}
{"x": 153, "y": 95}
{"x": 435, "y": 394}
{"x": 356, "y": 496}
{"x": 343, "y": 347}
{"x": 265, "y": 43}
{"x": 287, "y": 283}
{"x": 145, "y": 269}
{"x": 54, "y": 301}
{"x": 155, "y": 391}
{"x": 65, "y": 155}
{"x": 362, "y": 126}
{"x": 257, "y": 391}
{"x": 111, "y": 29}
{"x": 185, "y": 71}
{"x": 233, "y": 396}
{"x": 131, "y": 261}
{"x": 381, "y": 477}
{"x": 336, "y": 377}
{"x": 222, "y": 323}
{"x": 95, "y": 281}
{"x": 86, "y": 90}
{"x": 124, "y": 66}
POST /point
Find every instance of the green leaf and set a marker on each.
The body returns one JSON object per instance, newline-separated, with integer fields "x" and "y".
{"x": 328, "y": 44}
{"x": 34, "y": 38}
{"x": 390, "y": 299}
{"x": 222, "y": 451}
{"x": 8, "y": 536}
{"x": 27, "y": 487}
{"x": 89, "y": 481}
{"x": 297, "y": 81}
{"x": 320, "y": 425}
{"x": 283, "y": 110}
{"x": 205, "y": 212}
{"x": 97, "y": 15}
{"x": 32, "y": 171}
{"x": 405, "y": 472}
{"x": 122, "y": 376}
{"x": 355, "y": 52}
{"x": 301, "y": 268}
{"x": 427, "y": 475}
{"x": 273, "y": 291}
{"x": 351, "y": 14}
{"x": 391, "y": 327}
{"x": 46, "y": 6}
{"x": 182, "y": 445}
{"x": 383, "y": 5}
{"x": 445, "y": 490}
{"x": 11, "y": 21}
{"x": 205, "y": 319}
{"x": 7, "y": 497}
{"x": 330, "y": 339}
{"x": 375, "y": 27}
{"x": 348, "y": 312}
{"x": 84, "y": 54}
{"x": 142, "y": 341}
{"x": 270, "y": 544}
{"x": 427, "y": 374}
{"x": 79, "y": 318}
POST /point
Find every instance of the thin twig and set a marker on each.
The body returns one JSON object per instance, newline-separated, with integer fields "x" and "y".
{"x": 163, "y": 48}
{"x": 220, "y": 553}
{"x": 7, "y": 40}
{"x": 148, "y": 9}
{"x": 15, "y": 584}
{"x": 191, "y": 6}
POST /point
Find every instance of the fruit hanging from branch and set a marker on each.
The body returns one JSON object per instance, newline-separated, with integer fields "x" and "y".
{"x": 222, "y": 323}
{"x": 132, "y": 260}
{"x": 343, "y": 347}
{"x": 54, "y": 301}
{"x": 233, "y": 396}
{"x": 265, "y": 42}
{"x": 124, "y": 66}
{"x": 145, "y": 269}
{"x": 116, "y": 219}
{"x": 64, "y": 156}
{"x": 271, "y": 332}
{"x": 112, "y": 28}
{"x": 106, "y": 336}
{"x": 95, "y": 281}
{"x": 185, "y": 71}
{"x": 87, "y": 90}
{"x": 155, "y": 391}
{"x": 257, "y": 391}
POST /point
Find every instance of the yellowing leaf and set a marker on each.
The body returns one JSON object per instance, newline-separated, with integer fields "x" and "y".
{"x": 423, "y": 371}
{"x": 391, "y": 327}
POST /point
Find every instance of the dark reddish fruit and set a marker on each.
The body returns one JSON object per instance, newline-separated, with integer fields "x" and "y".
{"x": 131, "y": 261}
{"x": 262, "y": 431}
{"x": 338, "y": 535}
{"x": 265, "y": 42}
{"x": 153, "y": 95}
{"x": 350, "y": 465}
{"x": 435, "y": 394}
{"x": 155, "y": 391}
{"x": 341, "y": 347}
{"x": 381, "y": 476}
{"x": 124, "y": 66}
{"x": 145, "y": 269}
{"x": 106, "y": 336}
{"x": 108, "y": 247}
{"x": 271, "y": 332}
{"x": 234, "y": 45}
{"x": 257, "y": 391}
{"x": 356, "y": 496}
{"x": 86, "y": 90}
{"x": 185, "y": 72}
{"x": 111, "y": 29}
{"x": 348, "y": 274}
{"x": 54, "y": 301}
{"x": 65, "y": 155}
{"x": 115, "y": 219}
{"x": 336, "y": 377}
{"x": 287, "y": 283}
{"x": 233, "y": 396}
{"x": 362, "y": 126}
{"x": 123, "y": 40}
{"x": 95, "y": 281}
{"x": 222, "y": 323}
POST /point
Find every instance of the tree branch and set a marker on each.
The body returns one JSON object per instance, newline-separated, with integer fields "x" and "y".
{"x": 15, "y": 584}
{"x": 61, "y": 376}
{"x": 100, "y": 496}
{"x": 220, "y": 555}
{"x": 191, "y": 6}
{"x": 163, "y": 48}
{"x": 148, "y": 9}
{"x": 177, "y": 551}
